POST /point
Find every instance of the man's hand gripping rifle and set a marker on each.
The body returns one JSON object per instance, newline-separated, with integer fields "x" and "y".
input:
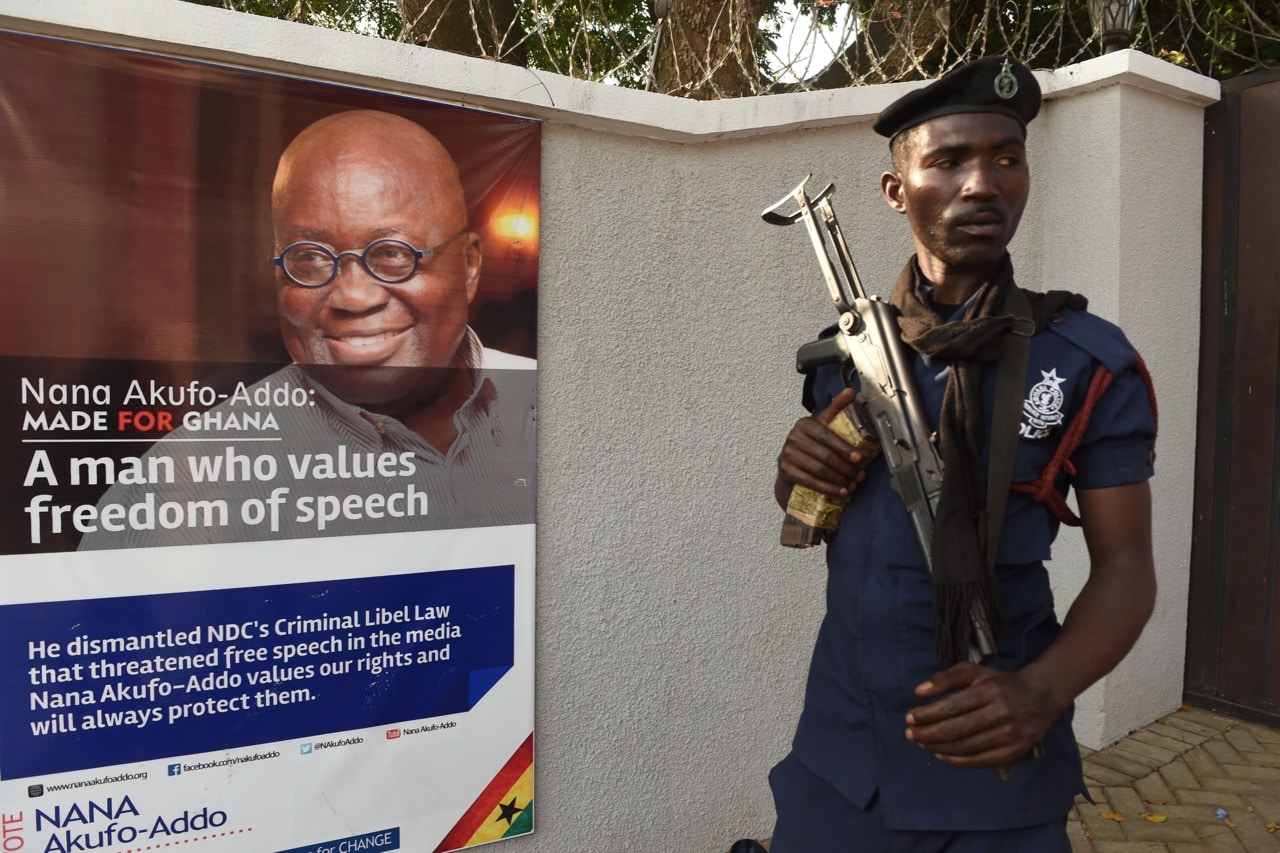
{"x": 870, "y": 346}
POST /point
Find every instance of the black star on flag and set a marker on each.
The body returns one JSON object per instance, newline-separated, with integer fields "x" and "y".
{"x": 509, "y": 811}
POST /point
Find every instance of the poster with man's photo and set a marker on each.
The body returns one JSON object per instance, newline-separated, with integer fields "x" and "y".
{"x": 267, "y": 410}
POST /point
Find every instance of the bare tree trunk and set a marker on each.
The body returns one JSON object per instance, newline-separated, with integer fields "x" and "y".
{"x": 707, "y": 48}
{"x": 489, "y": 28}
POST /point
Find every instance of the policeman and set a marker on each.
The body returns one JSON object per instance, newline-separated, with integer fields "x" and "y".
{"x": 899, "y": 735}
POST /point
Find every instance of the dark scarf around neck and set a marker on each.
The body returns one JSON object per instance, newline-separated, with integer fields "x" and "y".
{"x": 962, "y": 578}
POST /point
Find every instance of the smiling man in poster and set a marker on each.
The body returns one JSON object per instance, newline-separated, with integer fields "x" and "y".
{"x": 393, "y": 416}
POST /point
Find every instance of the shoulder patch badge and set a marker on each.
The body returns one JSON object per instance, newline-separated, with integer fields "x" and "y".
{"x": 1043, "y": 406}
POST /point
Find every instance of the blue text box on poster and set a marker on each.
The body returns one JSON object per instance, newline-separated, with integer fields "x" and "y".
{"x": 107, "y": 681}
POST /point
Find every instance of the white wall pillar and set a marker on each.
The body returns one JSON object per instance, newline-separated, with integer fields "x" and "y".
{"x": 1119, "y": 198}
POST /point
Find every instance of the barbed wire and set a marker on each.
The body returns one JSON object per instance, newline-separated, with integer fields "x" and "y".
{"x": 732, "y": 48}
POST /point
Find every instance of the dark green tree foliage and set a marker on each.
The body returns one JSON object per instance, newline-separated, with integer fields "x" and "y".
{"x": 1225, "y": 38}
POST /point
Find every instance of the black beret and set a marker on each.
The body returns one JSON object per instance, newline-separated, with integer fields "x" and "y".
{"x": 995, "y": 84}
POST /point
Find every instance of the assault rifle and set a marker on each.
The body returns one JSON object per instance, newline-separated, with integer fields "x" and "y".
{"x": 888, "y": 412}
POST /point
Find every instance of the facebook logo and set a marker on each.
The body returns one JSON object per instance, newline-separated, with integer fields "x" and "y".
{"x": 175, "y": 769}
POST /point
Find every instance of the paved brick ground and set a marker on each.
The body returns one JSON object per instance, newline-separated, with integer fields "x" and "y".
{"x": 1183, "y": 768}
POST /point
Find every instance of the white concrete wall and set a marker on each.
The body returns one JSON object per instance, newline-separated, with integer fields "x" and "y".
{"x": 673, "y": 631}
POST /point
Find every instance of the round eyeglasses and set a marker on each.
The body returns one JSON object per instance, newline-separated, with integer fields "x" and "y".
{"x": 389, "y": 260}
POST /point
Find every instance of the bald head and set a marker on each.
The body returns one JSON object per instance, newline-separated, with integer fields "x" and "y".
{"x": 373, "y": 143}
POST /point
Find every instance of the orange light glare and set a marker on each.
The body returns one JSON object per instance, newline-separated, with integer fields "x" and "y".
{"x": 517, "y": 227}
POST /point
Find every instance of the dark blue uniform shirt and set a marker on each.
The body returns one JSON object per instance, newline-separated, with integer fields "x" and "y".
{"x": 876, "y": 642}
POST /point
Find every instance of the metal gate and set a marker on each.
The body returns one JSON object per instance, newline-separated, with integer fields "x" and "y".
{"x": 1233, "y": 632}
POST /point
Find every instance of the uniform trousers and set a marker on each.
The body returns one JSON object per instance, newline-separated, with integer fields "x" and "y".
{"x": 814, "y": 817}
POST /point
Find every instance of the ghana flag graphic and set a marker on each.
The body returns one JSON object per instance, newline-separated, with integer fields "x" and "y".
{"x": 503, "y": 809}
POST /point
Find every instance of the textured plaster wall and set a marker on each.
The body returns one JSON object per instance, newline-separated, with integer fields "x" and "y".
{"x": 673, "y": 631}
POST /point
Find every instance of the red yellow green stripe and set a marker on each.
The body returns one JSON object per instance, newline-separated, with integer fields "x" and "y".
{"x": 503, "y": 809}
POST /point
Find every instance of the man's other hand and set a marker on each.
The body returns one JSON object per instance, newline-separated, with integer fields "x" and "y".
{"x": 981, "y": 717}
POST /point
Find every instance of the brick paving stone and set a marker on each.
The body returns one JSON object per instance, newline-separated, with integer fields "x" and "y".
{"x": 1110, "y": 760}
{"x": 1212, "y": 828}
{"x": 1267, "y": 807}
{"x": 1128, "y": 847}
{"x": 1149, "y": 737}
{"x": 1202, "y": 763}
{"x": 1223, "y": 752}
{"x": 1243, "y": 740}
{"x": 1262, "y": 759}
{"x": 1126, "y": 801}
{"x": 1264, "y": 734}
{"x": 1231, "y": 785}
{"x": 1145, "y": 753}
{"x": 1188, "y": 812}
{"x": 1189, "y": 725}
{"x": 1100, "y": 775}
{"x": 1260, "y": 774}
{"x": 1222, "y": 838}
{"x": 1178, "y": 775}
{"x": 1153, "y": 790}
{"x": 1166, "y": 730}
{"x": 1142, "y": 829}
{"x": 1211, "y": 798}
{"x": 1252, "y": 832}
{"x": 1207, "y": 718}
{"x": 1101, "y": 828}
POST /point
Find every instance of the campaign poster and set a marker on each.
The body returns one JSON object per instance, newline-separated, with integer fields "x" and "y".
{"x": 267, "y": 404}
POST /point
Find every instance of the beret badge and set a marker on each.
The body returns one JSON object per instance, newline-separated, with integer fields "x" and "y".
{"x": 1006, "y": 85}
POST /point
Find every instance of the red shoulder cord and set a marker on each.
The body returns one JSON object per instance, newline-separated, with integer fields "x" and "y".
{"x": 1043, "y": 490}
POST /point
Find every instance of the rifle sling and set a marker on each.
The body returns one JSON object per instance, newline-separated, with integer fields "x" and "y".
{"x": 1011, "y": 383}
